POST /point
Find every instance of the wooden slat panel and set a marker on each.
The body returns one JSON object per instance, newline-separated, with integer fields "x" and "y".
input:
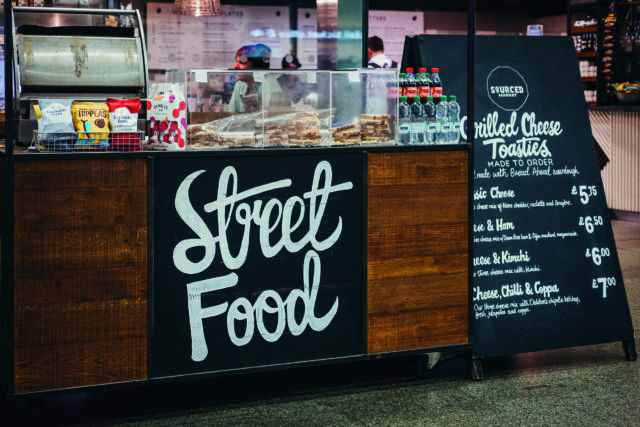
{"x": 50, "y": 324}
{"x": 55, "y": 174}
{"x": 436, "y": 167}
{"x": 436, "y": 327}
{"x": 80, "y": 273}
{"x": 414, "y": 240}
{"x": 75, "y": 250}
{"x": 62, "y": 366}
{"x": 81, "y": 208}
{"x": 417, "y": 204}
{"x": 413, "y": 293}
{"x": 417, "y": 249}
{"x": 61, "y": 286}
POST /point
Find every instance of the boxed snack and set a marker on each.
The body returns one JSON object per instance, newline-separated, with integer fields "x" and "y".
{"x": 166, "y": 113}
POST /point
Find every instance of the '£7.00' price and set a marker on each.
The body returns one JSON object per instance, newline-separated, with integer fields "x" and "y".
{"x": 605, "y": 282}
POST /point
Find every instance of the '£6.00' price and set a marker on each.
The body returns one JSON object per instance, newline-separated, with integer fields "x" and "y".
{"x": 596, "y": 254}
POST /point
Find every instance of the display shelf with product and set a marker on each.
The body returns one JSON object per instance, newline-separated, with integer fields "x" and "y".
{"x": 182, "y": 261}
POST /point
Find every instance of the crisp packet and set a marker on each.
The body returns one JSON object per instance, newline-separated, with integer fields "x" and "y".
{"x": 91, "y": 121}
{"x": 55, "y": 124}
{"x": 123, "y": 119}
{"x": 166, "y": 113}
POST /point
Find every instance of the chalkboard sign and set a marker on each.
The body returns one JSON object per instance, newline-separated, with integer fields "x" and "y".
{"x": 545, "y": 267}
{"x": 257, "y": 261}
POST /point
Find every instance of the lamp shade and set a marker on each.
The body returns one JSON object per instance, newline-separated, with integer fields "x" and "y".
{"x": 197, "y": 7}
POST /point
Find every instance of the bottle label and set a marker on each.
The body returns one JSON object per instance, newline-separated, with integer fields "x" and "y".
{"x": 404, "y": 129}
{"x": 411, "y": 91}
{"x": 436, "y": 91}
{"x": 433, "y": 127}
{"x": 456, "y": 127}
{"x": 417, "y": 127}
{"x": 445, "y": 127}
{"x": 424, "y": 91}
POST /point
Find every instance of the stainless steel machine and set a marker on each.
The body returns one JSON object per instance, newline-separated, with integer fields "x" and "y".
{"x": 77, "y": 54}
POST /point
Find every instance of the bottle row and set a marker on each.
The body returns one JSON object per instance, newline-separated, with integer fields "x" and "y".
{"x": 422, "y": 84}
{"x": 428, "y": 120}
{"x": 587, "y": 42}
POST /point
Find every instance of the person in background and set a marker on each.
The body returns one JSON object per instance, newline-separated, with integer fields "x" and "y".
{"x": 377, "y": 58}
{"x": 289, "y": 82}
{"x": 290, "y": 62}
{"x": 245, "y": 96}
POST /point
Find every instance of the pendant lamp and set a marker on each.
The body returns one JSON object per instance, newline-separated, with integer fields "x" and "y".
{"x": 197, "y": 7}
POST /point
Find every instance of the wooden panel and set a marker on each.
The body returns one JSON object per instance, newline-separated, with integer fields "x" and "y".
{"x": 417, "y": 250}
{"x": 61, "y": 366}
{"x": 80, "y": 273}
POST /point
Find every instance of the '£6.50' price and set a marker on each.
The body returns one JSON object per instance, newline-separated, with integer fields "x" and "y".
{"x": 585, "y": 192}
{"x": 596, "y": 254}
{"x": 590, "y": 223}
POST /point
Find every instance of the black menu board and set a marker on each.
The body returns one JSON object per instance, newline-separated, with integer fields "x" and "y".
{"x": 545, "y": 267}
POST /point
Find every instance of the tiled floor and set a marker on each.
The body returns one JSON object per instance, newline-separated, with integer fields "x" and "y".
{"x": 586, "y": 386}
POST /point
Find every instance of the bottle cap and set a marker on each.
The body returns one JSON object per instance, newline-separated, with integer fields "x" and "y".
{"x": 416, "y": 99}
{"x": 402, "y": 75}
{"x": 443, "y": 98}
{"x": 452, "y": 97}
{"x": 403, "y": 99}
{"x": 429, "y": 98}
{"x": 434, "y": 70}
{"x": 422, "y": 70}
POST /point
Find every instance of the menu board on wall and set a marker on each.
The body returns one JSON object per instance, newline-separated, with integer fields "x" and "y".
{"x": 392, "y": 27}
{"x": 257, "y": 261}
{"x": 176, "y": 41}
{"x": 308, "y": 38}
{"x": 546, "y": 272}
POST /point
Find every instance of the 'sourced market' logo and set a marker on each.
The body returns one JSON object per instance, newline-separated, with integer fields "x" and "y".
{"x": 507, "y": 88}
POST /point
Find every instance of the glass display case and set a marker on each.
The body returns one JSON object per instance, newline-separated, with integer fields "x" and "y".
{"x": 276, "y": 108}
{"x": 364, "y": 105}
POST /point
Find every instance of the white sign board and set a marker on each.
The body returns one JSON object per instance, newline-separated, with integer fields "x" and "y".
{"x": 176, "y": 41}
{"x": 392, "y": 27}
{"x": 308, "y": 38}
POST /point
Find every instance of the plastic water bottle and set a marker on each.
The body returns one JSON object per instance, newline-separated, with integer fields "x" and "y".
{"x": 411, "y": 89}
{"x": 404, "y": 121}
{"x": 442, "y": 117}
{"x": 454, "y": 118}
{"x": 430, "y": 120}
{"x": 436, "y": 83}
{"x": 417, "y": 122}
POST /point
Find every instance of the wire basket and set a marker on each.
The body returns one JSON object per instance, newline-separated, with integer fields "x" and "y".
{"x": 83, "y": 142}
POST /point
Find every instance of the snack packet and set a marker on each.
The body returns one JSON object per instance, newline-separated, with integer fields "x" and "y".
{"x": 91, "y": 121}
{"x": 166, "y": 113}
{"x": 55, "y": 124}
{"x": 123, "y": 119}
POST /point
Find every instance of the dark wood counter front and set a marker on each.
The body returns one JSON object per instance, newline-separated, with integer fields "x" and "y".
{"x": 80, "y": 273}
{"x": 417, "y": 279}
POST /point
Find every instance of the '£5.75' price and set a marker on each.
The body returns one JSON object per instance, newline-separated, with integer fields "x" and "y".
{"x": 585, "y": 192}
{"x": 590, "y": 223}
{"x": 596, "y": 254}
